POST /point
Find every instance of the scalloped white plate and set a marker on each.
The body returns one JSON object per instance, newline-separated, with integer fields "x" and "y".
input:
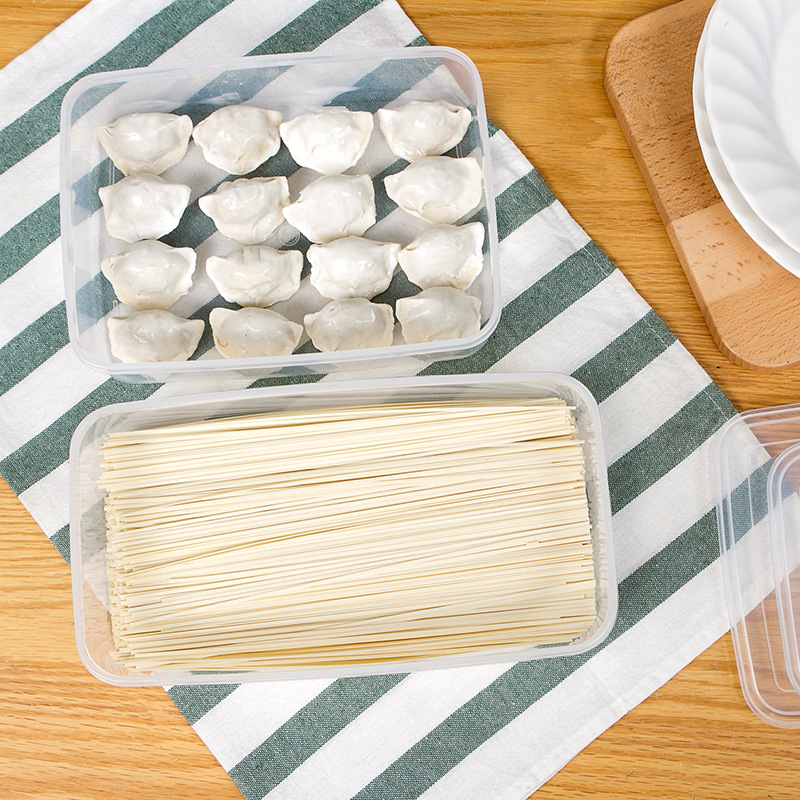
{"x": 752, "y": 98}
{"x": 753, "y": 225}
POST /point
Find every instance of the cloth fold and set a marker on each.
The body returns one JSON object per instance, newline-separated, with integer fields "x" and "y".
{"x": 489, "y": 732}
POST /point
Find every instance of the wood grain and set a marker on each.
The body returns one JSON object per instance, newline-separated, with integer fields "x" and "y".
{"x": 65, "y": 735}
{"x": 748, "y": 300}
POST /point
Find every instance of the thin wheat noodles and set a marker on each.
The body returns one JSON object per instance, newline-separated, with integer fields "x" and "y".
{"x": 326, "y": 537}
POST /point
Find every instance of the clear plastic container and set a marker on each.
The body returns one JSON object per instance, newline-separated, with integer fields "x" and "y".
{"x": 360, "y": 80}
{"x": 88, "y": 530}
{"x": 757, "y": 465}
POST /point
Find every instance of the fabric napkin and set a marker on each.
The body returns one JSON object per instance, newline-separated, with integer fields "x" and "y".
{"x": 489, "y": 732}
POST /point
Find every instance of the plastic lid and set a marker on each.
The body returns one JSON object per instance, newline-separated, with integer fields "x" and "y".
{"x": 757, "y": 470}
{"x": 784, "y": 514}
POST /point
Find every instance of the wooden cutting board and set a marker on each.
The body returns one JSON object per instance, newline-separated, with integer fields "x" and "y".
{"x": 751, "y": 304}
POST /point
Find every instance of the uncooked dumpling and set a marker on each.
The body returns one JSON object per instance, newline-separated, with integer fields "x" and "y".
{"x": 256, "y": 275}
{"x": 352, "y": 267}
{"x": 239, "y": 138}
{"x": 328, "y": 140}
{"x": 437, "y": 189}
{"x": 423, "y": 128}
{"x": 248, "y": 209}
{"x": 333, "y": 207}
{"x": 437, "y": 314}
{"x": 253, "y": 333}
{"x": 149, "y": 141}
{"x": 445, "y": 255}
{"x": 150, "y": 274}
{"x": 147, "y": 336}
{"x": 143, "y": 207}
{"x": 350, "y": 324}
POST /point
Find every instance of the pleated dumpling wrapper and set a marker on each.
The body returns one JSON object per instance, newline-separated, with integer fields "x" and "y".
{"x": 352, "y": 267}
{"x": 438, "y": 314}
{"x": 350, "y": 324}
{"x": 438, "y": 189}
{"x": 248, "y": 210}
{"x": 445, "y": 255}
{"x": 143, "y": 207}
{"x": 147, "y": 336}
{"x": 150, "y": 274}
{"x": 423, "y": 128}
{"x": 147, "y": 141}
{"x": 239, "y": 138}
{"x": 328, "y": 140}
{"x": 256, "y": 275}
{"x": 253, "y": 333}
{"x": 333, "y": 207}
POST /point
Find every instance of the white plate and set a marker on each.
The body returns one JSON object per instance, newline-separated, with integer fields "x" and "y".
{"x": 753, "y": 225}
{"x": 751, "y": 95}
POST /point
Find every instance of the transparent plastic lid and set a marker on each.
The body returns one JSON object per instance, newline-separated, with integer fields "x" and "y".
{"x": 757, "y": 465}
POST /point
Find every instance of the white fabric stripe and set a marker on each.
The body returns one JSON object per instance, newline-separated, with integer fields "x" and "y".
{"x": 266, "y": 706}
{"x": 209, "y": 40}
{"x": 48, "y": 500}
{"x": 42, "y": 396}
{"x": 384, "y": 731}
{"x": 634, "y": 422}
{"x": 31, "y": 292}
{"x": 653, "y": 519}
{"x": 562, "y": 345}
{"x": 617, "y": 678}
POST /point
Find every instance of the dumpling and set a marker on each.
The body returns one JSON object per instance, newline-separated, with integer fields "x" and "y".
{"x": 143, "y": 207}
{"x": 445, "y": 255}
{"x": 156, "y": 335}
{"x": 150, "y": 141}
{"x": 253, "y": 333}
{"x": 249, "y": 210}
{"x": 352, "y": 267}
{"x": 239, "y": 138}
{"x": 333, "y": 207}
{"x": 350, "y": 324}
{"x": 328, "y": 140}
{"x": 437, "y": 314}
{"x": 150, "y": 274}
{"x": 423, "y": 128}
{"x": 437, "y": 189}
{"x": 256, "y": 275}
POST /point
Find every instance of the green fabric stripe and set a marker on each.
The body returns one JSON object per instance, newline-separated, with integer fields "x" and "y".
{"x": 49, "y": 449}
{"x": 665, "y": 448}
{"x": 525, "y": 198}
{"x": 28, "y": 238}
{"x": 196, "y": 701}
{"x": 526, "y": 682}
{"x": 33, "y": 346}
{"x": 627, "y": 355}
{"x": 301, "y": 736}
{"x": 527, "y": 313}
{"x": 60, "y": 540}
{"x": 141, "y": 47}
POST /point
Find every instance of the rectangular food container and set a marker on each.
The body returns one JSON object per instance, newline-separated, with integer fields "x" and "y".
{"x": 88, "y": 527}
{"x": 361, "y": 80}
{"x": 757, "y": 471}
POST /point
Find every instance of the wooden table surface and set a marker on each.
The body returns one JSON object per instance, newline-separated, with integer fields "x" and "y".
{"x": 64, "y": 735}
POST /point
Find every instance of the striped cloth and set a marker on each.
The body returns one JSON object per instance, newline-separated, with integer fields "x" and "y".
{"x": 489, "y": 732}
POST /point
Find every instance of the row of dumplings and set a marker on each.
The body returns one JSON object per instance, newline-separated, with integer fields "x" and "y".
{"x": 239, "y": 138}
{"x": 151, "y": 274}
{"x": 352, "y": 323}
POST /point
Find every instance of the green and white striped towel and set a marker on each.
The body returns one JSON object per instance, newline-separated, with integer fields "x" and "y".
{"x": 489, "y": 732}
